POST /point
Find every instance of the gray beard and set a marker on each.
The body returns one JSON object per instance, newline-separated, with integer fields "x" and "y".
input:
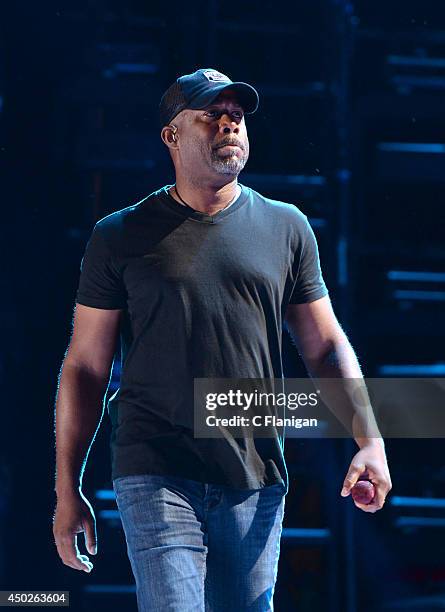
{"x": 229, "y": 165}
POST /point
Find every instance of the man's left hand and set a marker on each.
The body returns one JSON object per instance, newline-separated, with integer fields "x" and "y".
{"x": 370, "y": 459}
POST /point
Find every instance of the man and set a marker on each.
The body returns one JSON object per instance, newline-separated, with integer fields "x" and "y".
{"x": 197, "y": 277}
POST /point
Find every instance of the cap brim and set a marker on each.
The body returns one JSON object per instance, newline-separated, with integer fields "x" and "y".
{"x": 246, "y": 94}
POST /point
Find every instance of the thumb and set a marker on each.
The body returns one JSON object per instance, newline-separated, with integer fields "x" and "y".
{"x": 354, "y": 473}
{"x": 89, "y": 526}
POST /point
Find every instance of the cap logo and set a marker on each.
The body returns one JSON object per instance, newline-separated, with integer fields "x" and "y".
{"x": 214, "y": 75}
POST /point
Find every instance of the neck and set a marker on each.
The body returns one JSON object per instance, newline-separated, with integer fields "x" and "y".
{"x": 208, "y": 199}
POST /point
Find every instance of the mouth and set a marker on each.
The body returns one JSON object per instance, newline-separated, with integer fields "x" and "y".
{"x": 229, "y": 147}
{"x": 223, "y": 145}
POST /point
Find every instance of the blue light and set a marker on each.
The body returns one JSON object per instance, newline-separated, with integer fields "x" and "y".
{"x": 412, "y": 81}
{"x": 108, "y": 515}
{"x": 412, "y": 147}
{"x": 270, "y": 180}
{"x": 417, "y": 502}
{"x": 435, "y": 369}
{"x": 105, "y": 494}
{"x": 344, "y": 175}
{"x": 295, "y": 533}
{"x": 405, "y": 275}
{"x": 419, "y": 521}
{"x": 426, "y": 296}
{"x": 342, "y": 262}
{"x": 403, "y": 60}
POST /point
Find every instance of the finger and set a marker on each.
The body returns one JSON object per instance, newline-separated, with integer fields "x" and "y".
{"x": 87, "y": 562}
{"x": 76, "y": 563}
{"x": 354, "y": 473}
{"x": 87, "y": 567}
{"x": 372, "y": 507}
{"x": 381, "y": 491}
{"x": 69, "y": 553}
{"x": 81, "y": 563}
{"x": 89, "y": 526}
{"x": 367, "y": 507}
{"x": 66, "y": 550}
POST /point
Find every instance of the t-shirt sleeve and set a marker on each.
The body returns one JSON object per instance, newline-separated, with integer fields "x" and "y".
{"x": 309, "y": 285}
{"x": 100, "y": 283}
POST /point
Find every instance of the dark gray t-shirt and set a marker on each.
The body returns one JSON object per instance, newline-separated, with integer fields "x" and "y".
{"x": 203, "y": 296}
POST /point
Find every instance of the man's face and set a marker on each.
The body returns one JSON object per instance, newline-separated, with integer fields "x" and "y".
{"x": 214, "y": 139}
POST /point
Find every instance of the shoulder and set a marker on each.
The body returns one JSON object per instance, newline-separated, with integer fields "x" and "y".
{"x": 279, "y": 212}
{"x": 119, "y": 218}
{"x": 116, "y": 226}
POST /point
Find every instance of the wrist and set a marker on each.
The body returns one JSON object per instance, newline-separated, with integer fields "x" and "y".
{"x": 67, "y": 489}
{"x": 377, "y": 443}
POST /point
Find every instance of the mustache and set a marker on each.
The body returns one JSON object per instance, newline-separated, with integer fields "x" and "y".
{"x": 229, "y": 141}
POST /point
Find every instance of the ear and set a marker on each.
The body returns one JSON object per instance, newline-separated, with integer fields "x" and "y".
{"x": 169, "y": 137}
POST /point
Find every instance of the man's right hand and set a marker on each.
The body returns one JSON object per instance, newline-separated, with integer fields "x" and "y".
{"x": 74, "y": 515}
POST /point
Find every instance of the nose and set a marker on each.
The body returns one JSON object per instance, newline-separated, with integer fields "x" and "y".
{"x": 227, "y": 125}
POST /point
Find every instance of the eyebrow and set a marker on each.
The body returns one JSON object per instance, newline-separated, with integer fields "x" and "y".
{"x": 222, "y": 106}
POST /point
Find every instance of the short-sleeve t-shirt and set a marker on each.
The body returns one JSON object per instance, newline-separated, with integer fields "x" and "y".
{"x": 202, "y": 297}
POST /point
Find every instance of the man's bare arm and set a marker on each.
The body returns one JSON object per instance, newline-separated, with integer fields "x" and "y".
{"x": 79, "y": 408}
{"x": 327, "y": 353}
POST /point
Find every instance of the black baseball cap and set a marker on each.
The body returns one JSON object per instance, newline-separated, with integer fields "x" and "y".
{"x": 199, "y": 89}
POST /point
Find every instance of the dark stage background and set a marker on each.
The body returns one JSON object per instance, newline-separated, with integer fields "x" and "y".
{"x": 351, "y": 130}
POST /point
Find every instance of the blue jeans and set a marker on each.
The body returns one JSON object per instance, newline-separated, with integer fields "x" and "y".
{"x": 204, "y": 547}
